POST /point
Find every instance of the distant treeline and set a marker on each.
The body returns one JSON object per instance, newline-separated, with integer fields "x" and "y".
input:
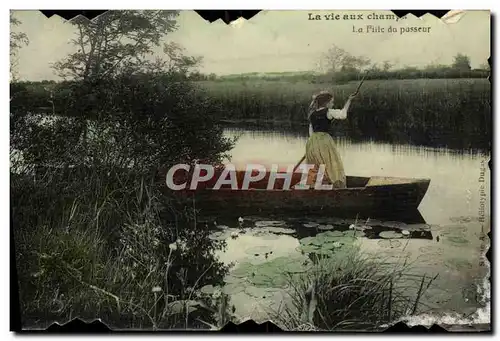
{"x": 350, "y": 75}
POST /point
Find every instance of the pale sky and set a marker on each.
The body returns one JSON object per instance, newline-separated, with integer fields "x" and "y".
{"x": 279, "y": 41}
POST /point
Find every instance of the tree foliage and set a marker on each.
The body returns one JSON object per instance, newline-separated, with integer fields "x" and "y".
{"x": 461, "y": 62}
{"x": 337, "y": 59}
{"x": 17, "y": 40}
{"x": 118, "y": 41}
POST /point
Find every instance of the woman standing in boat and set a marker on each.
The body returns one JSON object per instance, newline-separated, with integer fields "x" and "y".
{"x": 320, "y": 147}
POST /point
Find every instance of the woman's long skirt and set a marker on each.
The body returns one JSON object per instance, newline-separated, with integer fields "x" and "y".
{"x": 321, "y": 150}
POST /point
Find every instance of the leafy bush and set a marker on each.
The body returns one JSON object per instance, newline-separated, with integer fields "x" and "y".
{"x": 92, "y": 227}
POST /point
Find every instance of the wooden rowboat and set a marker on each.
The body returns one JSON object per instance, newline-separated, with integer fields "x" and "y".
{"x": 364, "y": 196}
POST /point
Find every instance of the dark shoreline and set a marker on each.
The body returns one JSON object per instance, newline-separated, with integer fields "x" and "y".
{"x": 452, "y": 141}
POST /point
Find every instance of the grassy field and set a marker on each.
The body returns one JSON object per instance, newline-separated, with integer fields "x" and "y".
{"x": 424, "y": 111}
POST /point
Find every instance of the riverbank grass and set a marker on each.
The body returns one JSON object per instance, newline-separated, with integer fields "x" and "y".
{"x": 350, "y": 291}
{"x": 436, "y": 112}
{"x": 92, "y": 251}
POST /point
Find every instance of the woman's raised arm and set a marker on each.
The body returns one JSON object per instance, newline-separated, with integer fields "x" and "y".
{"x": 340, "y": 114}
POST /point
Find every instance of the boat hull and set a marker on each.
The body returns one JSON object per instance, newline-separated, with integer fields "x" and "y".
{"x": 364, "y": 196}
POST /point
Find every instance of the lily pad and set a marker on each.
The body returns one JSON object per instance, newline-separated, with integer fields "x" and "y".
{"x": 308, "y": 248}
{"x": 324, "y": 252}
{"x": 384, "y": 243}
{"x": 269, "y": 223}
{"x": 280, "y": 230}
{"x": 207, "y": 289}
{"x": 417, "y": 227}
{"x": 272, "y": 273}
{"x": 233, "y": 288}
{"x": 405, "y": 233}
{"x": 319, "y": 240}
{"x": 393, "y": 224}
{"x": 262, "y": 280}
{"x": 258, "y": 250}
{"x": 296, "y": 267}
{"x": 278, "y": 282}
{"x": 279, "y": 261}
{"x": 333, "y": 234}
{"x": 243, "y": 270}
{"x": 269, "y": 236}
{"x": 332, "y": 245}
{"x": 325, "y": 227}
{"x": 255, "y": 291}
{"x": 324, "y": 238}
{"x": 390, "y": 235}
{"x": 431, "y": 250}
{"x": 222, "y": 227}
{"x": 310, "y": 225}
{"x": 233, "y": 280}
{"x": 395, "y": 243}
{"x": 354, "y": 233}
{"x": 362, "y": 228}
{"x": 307, "y": 240}
{"x": 218, "y": 235}
{"x": 456, "y": 240}
{"x": 389, "y": 243}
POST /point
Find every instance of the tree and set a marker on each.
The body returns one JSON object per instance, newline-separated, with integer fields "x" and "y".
{"x": 386, "y": 66}
{"x": 116, "y": 41}
{"x": 128, "y": 108}
{"x": 17, "y": 40}
{"x": 337, "y": 59}
{"x": 461, "y": 62}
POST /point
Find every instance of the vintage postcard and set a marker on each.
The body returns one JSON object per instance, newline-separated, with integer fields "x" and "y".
{"x": 321, "y": 170}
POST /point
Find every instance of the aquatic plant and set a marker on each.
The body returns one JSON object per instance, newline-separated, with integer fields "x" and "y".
{"x": 270, "y": 223}
{"x": 352, "y": 292}
{"x": 389, "y": 243}
{"x": 325, "y": 227}
{"x": 269, "y": 274}
{"x": 390, "y": 235}
{"x": 329, "y": 242}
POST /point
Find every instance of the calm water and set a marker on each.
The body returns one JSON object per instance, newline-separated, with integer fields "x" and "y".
{"x": 452, "y": 208}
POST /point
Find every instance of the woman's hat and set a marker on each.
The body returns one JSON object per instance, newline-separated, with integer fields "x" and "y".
{"x": 322, "y": 97}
